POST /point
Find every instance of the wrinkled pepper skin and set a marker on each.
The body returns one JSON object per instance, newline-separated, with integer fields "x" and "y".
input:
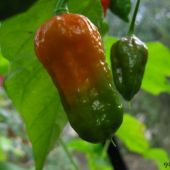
{"x": 121, "y": 8}
{"x": 128, "y": 59}
{"x": 70, "y": 48}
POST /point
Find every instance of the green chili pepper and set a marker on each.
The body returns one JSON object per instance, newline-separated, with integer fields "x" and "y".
{"x": 70, "y": 48}
{"x": 128, "y": 59}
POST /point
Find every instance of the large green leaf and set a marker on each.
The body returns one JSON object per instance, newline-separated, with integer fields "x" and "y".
{"x": 28, "y": 84}
{"x": 157, "y": 69}
{"x": 16, "y": 32}
{"x": 132, "y": 134}
{"x": 91, "y": 9}
{"x": 108, "y": 42}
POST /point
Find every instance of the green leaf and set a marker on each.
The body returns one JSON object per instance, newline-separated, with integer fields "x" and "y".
{"x": 17, "y": 31}
{"x": 28, "y": 84}
{"x": 157, "y": 69}
{"x": 2, "y": 154}
{"x": 92, "y": 9}
{"x": 10, "y": 166}
{"x": 132, "y": 133}
{"x": 83, "y": 146}
{"x": 159, "y": 155}
{"x": 108, "y": 42}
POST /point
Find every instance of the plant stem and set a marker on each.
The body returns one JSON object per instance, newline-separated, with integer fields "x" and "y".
{"x": 112, "y": 141}
{"x": 61, "y": 7}
{"x": 115, "y": 156}
{"x": 68, "y": 154}
{"x": 105, "y": 148}
{"x": 132, "y": 24}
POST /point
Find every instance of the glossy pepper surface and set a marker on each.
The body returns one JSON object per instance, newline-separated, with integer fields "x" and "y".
{"x": 128, "y": 58}
{"x": 70, "y": 48}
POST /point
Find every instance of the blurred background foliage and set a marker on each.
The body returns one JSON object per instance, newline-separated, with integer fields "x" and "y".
{"x": 144, "y": 142}
{"x": 152, "y": 22}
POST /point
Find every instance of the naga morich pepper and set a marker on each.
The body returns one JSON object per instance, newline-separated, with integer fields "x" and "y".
{"x": 128, "y": 59}
{"x": 70, "y": 48}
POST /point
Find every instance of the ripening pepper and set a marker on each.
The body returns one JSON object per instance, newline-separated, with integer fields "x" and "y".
{"x": 128, "y": 59}
{"x": 70, "y": 48}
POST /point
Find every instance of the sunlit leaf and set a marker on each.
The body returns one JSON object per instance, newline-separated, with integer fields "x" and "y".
{"x": 157, "y": 70}
{"x": 159, "y": 156}
{"x": 108, "y": 42}
{"x": 83, "y": 146}
{"x": 2, "y": 154}
{"x": 132, "y": 133}
{"x": 28, "y": 84}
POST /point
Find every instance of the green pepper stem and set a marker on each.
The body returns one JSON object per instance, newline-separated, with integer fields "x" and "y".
{"x": 113, "y": 143}
{"x": 132, "y": 24}
{"x": 106, "y": 146}
{"x": 61, "y": 7}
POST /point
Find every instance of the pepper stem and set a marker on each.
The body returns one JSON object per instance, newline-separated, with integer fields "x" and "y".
{"x": 113, "y": 143}
{"x": 61, "y": 7}
{"x": 132, "y": 24}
